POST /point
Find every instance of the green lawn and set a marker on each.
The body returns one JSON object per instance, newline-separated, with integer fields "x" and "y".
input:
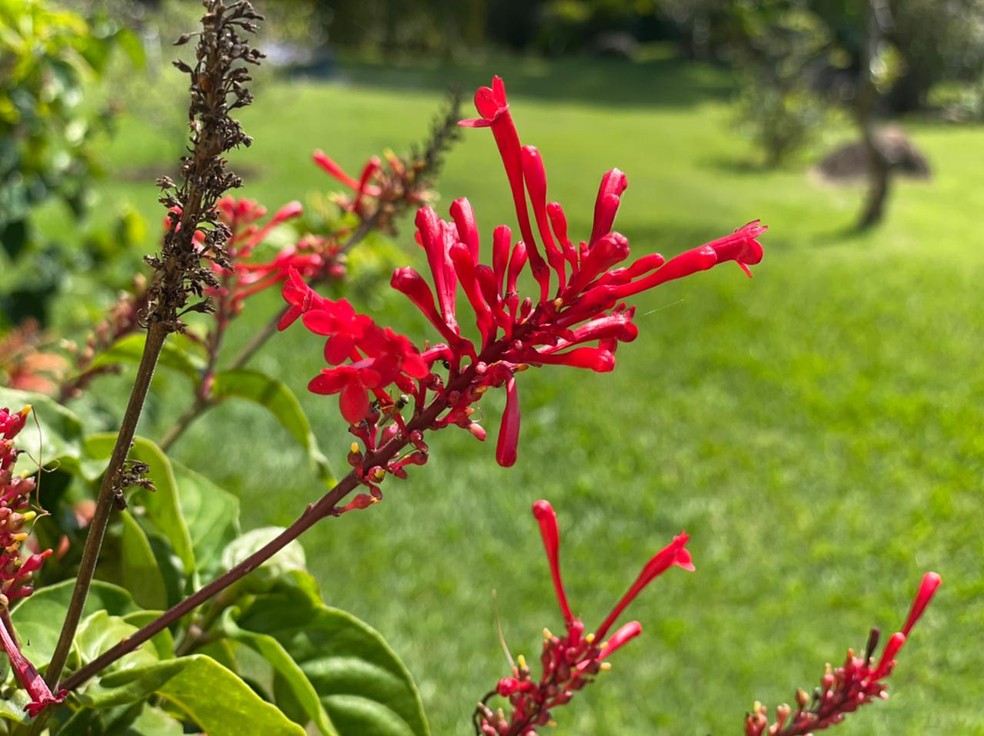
{"x": 818, "y": 430}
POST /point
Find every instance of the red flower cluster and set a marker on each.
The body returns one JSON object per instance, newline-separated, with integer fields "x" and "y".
{"x": 245, "y": 277}
{"x": 382, "y": 189}
{"x": 845, "y": 689}
{"x": 15, "y": 568}
{"x": 15, "y": 516}
{"x": 570, "y": 661}
{"x": 577, "y": 319}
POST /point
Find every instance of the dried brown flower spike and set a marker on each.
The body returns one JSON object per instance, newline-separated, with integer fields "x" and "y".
{"x": 217, "y": 87}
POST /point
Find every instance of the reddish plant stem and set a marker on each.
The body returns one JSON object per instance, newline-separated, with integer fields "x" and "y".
{"x": 326, "y": 506}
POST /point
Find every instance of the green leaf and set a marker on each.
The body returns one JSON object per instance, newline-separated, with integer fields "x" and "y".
{"x": 162, "y": 507}
{"x": 59, "y": 442}
{"x": 362, "y": 684}
{"x": 211, "y": 696}
{"x": 154, "y": 721}
{"x": 141, "y": 573}
{"x": 163, "y": 642}
{"x": 212, "y": 515}
{"x": 39, "y": 618}
{"x": 129, "y": 349}
{"x": 12, "y": 705}
{"x": 100, "y": 631}
{"x": 287, "y": 560}
{"x": 301, "y": 689}
{"x": 280, "y": 400}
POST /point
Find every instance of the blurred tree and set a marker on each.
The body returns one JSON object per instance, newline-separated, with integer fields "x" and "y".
{"x": 782, "y": 53}
{"x": 800, "y": 59}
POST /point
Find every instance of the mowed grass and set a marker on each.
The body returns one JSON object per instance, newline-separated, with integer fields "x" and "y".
{"x": 818, "y": 430}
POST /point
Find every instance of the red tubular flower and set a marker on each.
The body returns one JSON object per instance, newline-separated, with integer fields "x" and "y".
{"x": 673, "y": 554}
{"x": 436, "y": 244}
{"x": 27, "y": 676}
{"x": 492, "y": 105}
{"x": 464, "y": 220}
{"x": 625, "y": 634}
{"x": 547, "y": 519}
{"x": 333, "y": 169}
{"x": 300, "y": 298}
{"x": 606, "y": 205}
{"x": 535, "y": 176}
{"x": 741, "y": 247}
{"x": 927, "y": 589}
{"x": 341, "y": 324}
{"x": 505, "y": 449}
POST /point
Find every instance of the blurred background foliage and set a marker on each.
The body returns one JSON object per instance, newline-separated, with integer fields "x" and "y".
{"x": 50, "y": 58}
{"x": 818, "y": 429}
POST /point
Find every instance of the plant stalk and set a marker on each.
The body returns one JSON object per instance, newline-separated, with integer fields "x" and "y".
{"x": 106, "y": 500}
{"x": 326, "y": 506}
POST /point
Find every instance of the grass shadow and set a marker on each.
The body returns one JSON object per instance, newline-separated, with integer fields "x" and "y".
{"x": 657, "y": 81}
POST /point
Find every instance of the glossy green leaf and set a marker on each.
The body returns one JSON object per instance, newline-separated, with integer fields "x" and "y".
{"x": 59, "y": 442}
{"x": 277, "y": 397}
{"x": 301, "y": 690}
{"x": 38, "y": 619}
{"x": 154, "y": 721}
{"x": 289, "y": 559}
{"x": 163, "y": 642}
{"x": 212, "y": 516}
{"x": 174, "y": 356}
{"x": 100, "y": 631}
{"x": 12, "y": 706}
{"x": 364, "y": 687}
{"x": 162, "y": 507}
{"x": 208, "y": 693}
{"x": 140, "y": 570}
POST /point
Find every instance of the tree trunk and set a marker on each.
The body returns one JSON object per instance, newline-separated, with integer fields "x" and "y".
{"x": 879, "y": 165}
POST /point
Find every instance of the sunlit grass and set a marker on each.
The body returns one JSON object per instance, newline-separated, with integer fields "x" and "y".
{"x": 817, "y": 430}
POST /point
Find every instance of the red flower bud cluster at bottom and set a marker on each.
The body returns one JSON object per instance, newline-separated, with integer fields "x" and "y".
{"x": 846, "y": 688}
{"x": 570, "y": 661}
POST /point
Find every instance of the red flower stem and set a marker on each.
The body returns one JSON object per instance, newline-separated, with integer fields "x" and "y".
{"x": 326, "y": 506}
{"x": 105, "y": 502}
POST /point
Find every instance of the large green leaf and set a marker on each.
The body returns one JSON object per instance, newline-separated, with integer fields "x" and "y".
{"x": 39, "y": 618}
{"x": 277, "y": 397}
{"x": 140, "y": 570}
{"x": 163, "y": 510}
{"x": 212, "y": 516}
{"x": 125, "y": 720}
{"x": 100, "y": 631}
{"x": 174, "y": 356}
{"x": 287, "y": 560}
{"x": 59, "y": 441}
{"x": 301, "y": 690}
{"x": 362, "y": 684}
{"x": 153, "y": 721}
{"x": 208, "y": 693}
